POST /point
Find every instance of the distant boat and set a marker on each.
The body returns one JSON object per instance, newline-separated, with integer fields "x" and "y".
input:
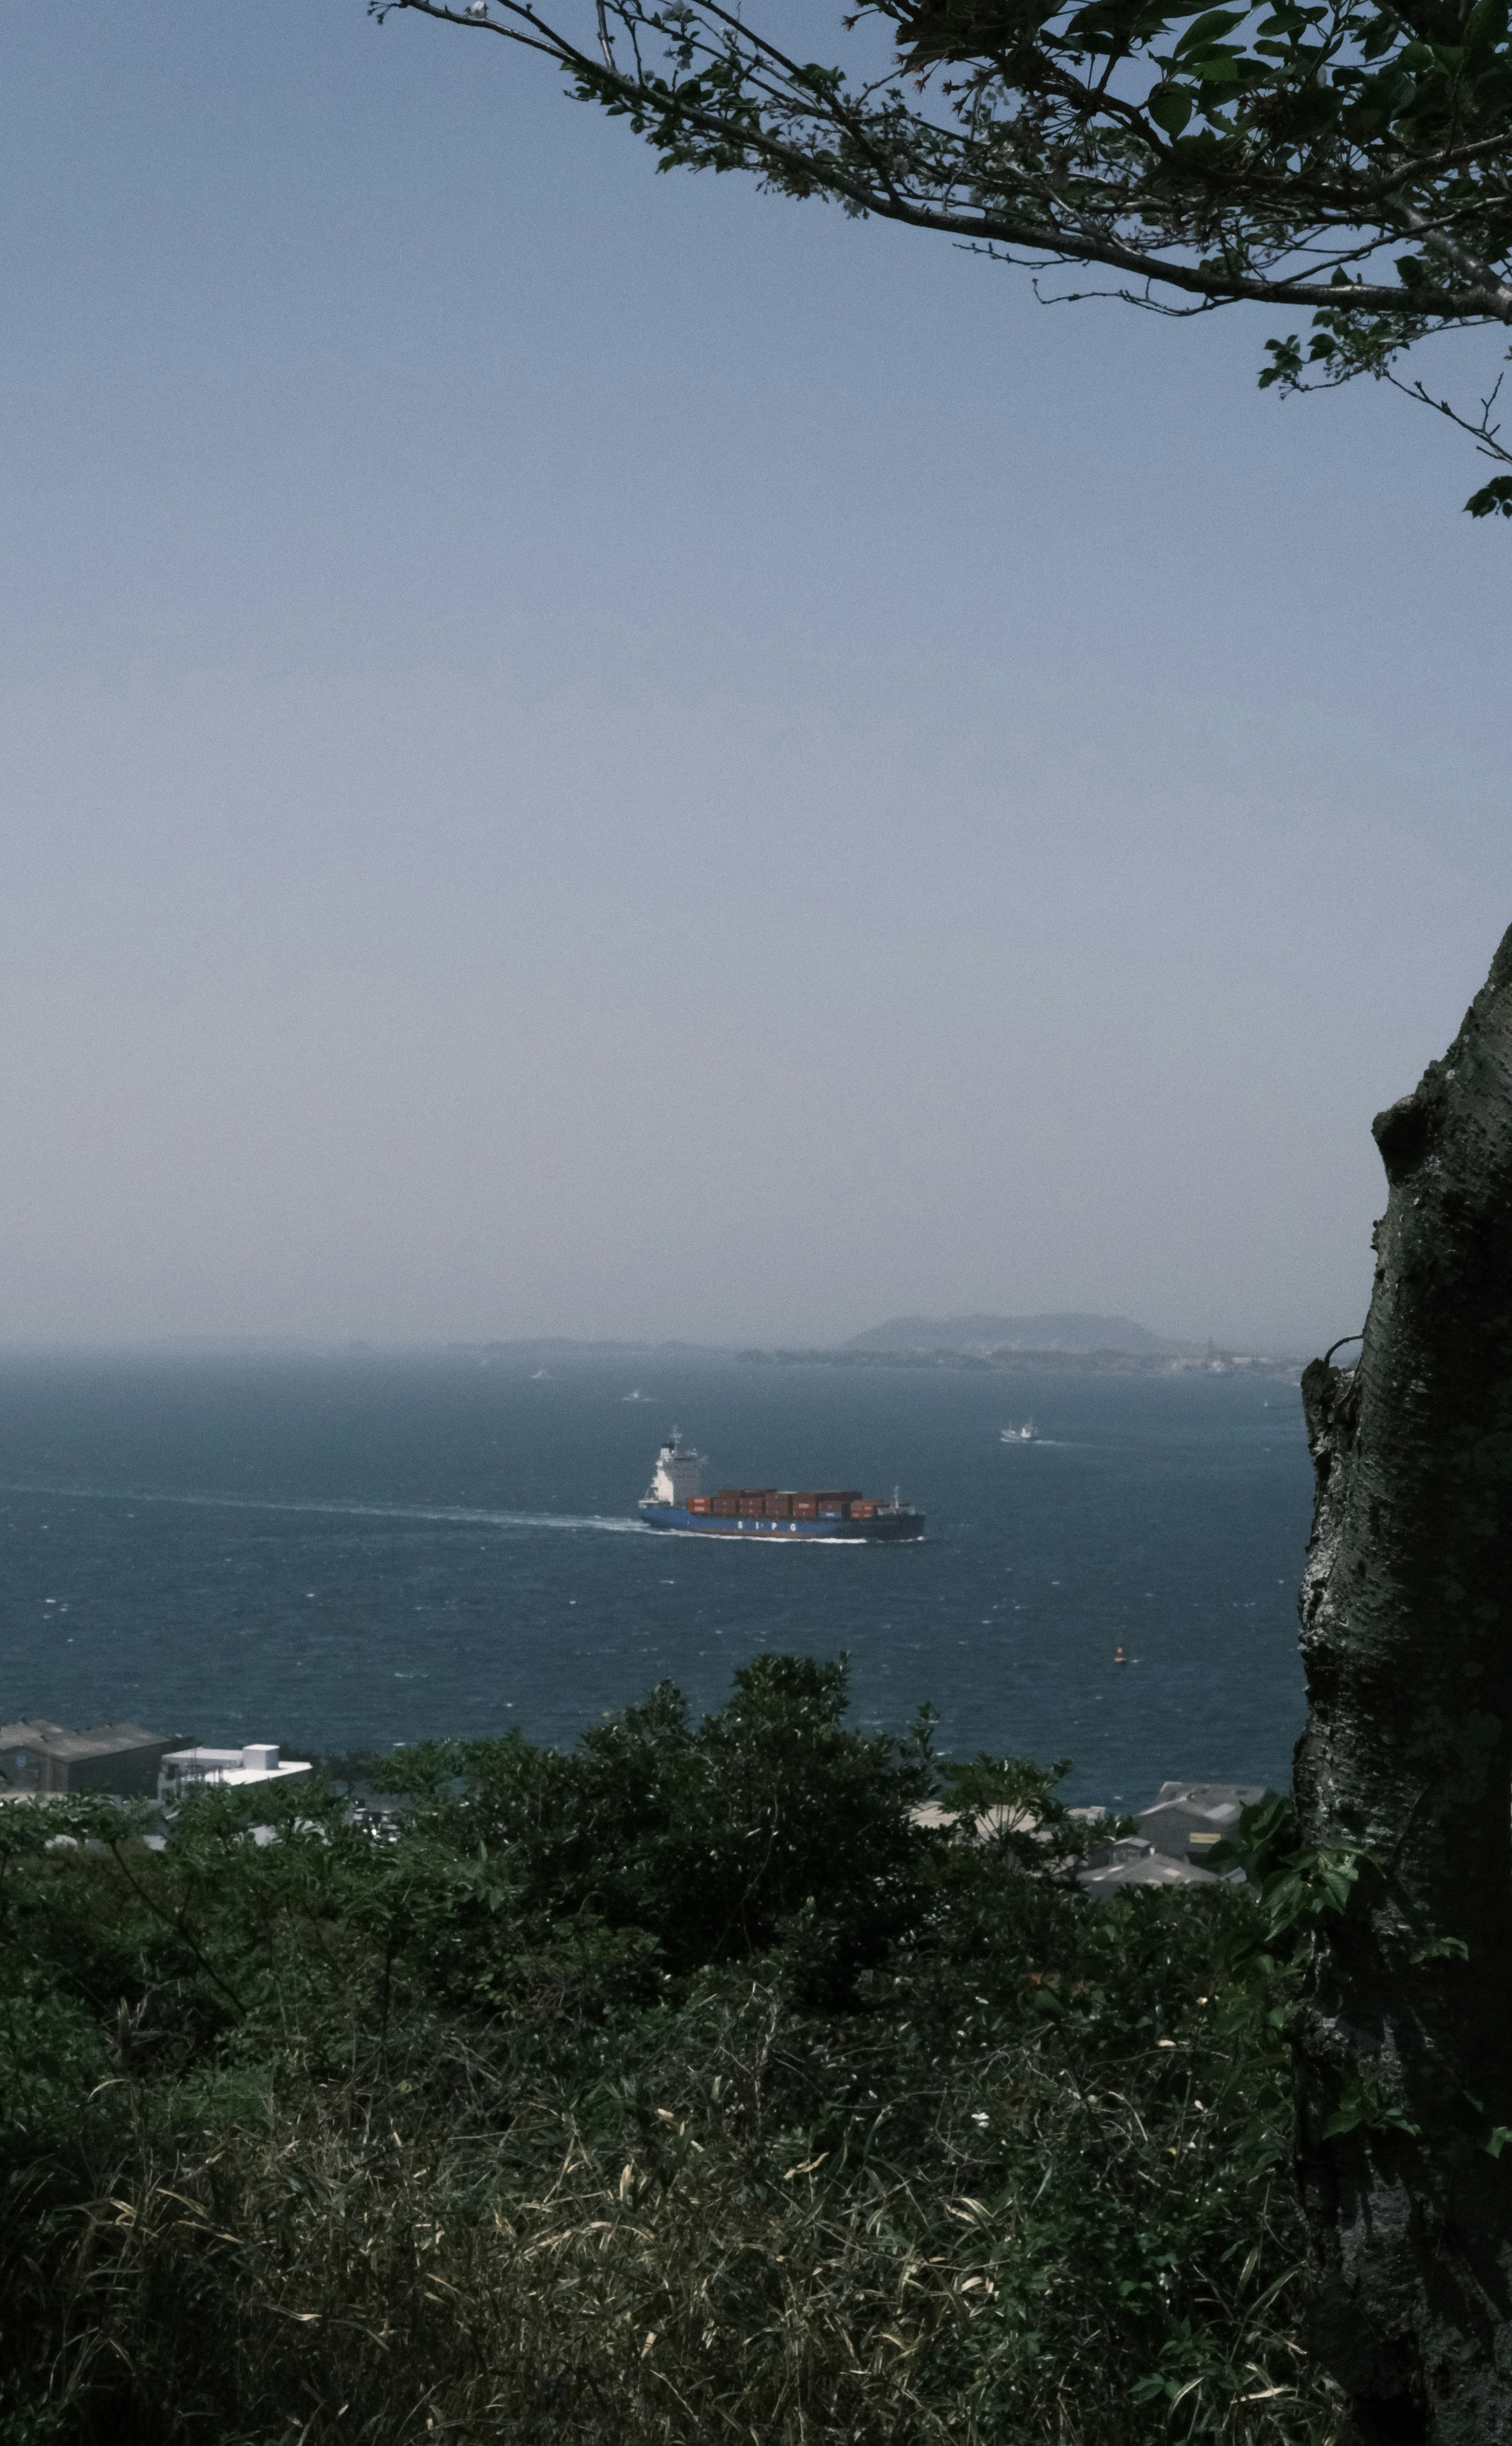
{"x": 1024, "y": 1435}
{"x": 637, "y": 1396}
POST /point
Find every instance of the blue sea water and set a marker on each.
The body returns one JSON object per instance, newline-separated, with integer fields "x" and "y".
{"x": 355, "y": 1550}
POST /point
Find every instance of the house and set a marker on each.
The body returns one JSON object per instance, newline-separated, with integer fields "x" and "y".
{"x": 1178, "y": 1834}
{"x": 255, "y": 1762}
{"x": 39, "y": 1759}
{"x": 1186, "y": 1822}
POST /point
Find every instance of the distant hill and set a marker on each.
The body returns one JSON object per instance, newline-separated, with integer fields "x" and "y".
{"x": 983, "y": 1333}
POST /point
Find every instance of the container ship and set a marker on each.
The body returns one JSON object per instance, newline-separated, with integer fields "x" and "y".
{"x": 673, "y": 1501}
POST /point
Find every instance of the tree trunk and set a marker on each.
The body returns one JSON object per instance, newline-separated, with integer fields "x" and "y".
{"x": 1404, "y": 2036}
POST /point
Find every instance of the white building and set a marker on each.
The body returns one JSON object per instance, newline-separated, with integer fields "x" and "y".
{"x": 255, "y": 1762}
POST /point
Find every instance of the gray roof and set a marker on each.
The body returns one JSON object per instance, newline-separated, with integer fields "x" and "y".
{"x": 1179, "y": 1811}
{"x": 1132, "y": 1863}
{"x": 1162, "y": 1852}
{"x": 98, "y": 1740}
{"x": 1211, "y": 1796}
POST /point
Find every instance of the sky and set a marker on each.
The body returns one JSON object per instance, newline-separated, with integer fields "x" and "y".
{"x": 585, "y": 752}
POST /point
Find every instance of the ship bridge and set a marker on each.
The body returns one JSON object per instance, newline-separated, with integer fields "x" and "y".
{"x": 679, "y": 1472}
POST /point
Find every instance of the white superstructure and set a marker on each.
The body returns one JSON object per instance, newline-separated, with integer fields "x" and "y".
{"x": 678, "y": 1470}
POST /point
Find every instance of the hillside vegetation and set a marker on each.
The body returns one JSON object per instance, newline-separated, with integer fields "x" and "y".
{"x": 680, "y": 2089}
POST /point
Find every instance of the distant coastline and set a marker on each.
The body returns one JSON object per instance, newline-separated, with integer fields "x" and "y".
{"x": 1073, "y": 1342}
{"x": 1081, "y": 1362}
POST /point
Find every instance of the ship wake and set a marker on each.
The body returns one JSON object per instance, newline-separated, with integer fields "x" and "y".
{"x": 438, "y": 1515}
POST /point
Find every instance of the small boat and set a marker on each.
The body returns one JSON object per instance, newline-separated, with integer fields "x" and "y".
{"x": 1024, "y": 1435}
{"x": 636, "y": 1395}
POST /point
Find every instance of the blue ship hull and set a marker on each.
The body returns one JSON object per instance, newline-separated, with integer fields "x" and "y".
{"x": 886, "y": 1527}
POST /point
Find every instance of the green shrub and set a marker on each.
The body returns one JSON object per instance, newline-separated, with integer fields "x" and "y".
{"x": 683, "y": 2088}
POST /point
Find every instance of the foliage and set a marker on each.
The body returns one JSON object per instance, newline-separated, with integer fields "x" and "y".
{"x": 1349, "y": 157}
{"x": 692, "y": 2086}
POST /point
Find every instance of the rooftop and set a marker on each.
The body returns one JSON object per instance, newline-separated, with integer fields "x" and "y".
{"x": 255, "y": 1762}
{"x": 96, "y": 1740}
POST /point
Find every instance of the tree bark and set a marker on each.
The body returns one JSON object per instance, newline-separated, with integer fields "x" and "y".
{"x": 1404, "y": 2032}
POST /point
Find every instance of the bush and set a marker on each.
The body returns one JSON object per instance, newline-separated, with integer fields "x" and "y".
{"x": 684, "y": 2088}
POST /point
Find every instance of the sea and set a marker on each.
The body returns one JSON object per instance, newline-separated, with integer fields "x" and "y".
{"x": 351, "y": 1550}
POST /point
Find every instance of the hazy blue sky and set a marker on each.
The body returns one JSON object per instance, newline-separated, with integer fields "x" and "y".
{"x": 601, "y": 753}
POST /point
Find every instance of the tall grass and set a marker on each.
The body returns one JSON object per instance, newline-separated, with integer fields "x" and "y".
{"x": 328, "y": 2141}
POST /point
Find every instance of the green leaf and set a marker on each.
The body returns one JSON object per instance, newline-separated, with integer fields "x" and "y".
{"x": 1171, "y": 108}
{"x": 1492, "y": 497}
{"x": 1211, "y": 27}
{"x": 1443, "y": 1948}
{"x": 1287, "y": 369}
{"x": 1485, "y": 26}
{"x": 1347, "y": 2117}
{"x": 1362, "y": 2106}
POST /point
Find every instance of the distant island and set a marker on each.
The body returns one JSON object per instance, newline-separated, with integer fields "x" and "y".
{"x": 1071, "y": 1340}
{"x": 1065, "y": 1341}
{"x": 1210, "y": 1361}
{"x": 984, "y": 1335}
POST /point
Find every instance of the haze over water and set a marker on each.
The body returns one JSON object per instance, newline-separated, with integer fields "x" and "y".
{"x": 355, "y": 1550}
